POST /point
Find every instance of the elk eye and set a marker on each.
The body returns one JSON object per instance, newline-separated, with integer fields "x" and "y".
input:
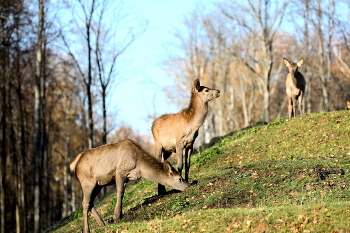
{"x": 206, "y": 90}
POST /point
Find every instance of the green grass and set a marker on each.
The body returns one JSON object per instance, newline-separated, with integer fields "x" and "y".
{"x": 263, "y": 179}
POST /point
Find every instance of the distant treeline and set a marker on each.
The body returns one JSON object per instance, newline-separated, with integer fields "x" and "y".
{"x": 55, "y": 77}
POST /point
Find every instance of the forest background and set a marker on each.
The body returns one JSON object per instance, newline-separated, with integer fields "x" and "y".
{"x": 57, "y": 78}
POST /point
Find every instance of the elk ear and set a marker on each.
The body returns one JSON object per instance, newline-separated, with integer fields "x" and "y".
{"x": 196, "y": 84}
{"x": 286, "y": 62}
{"x": 168, "y": 168}
{"x": 300, "y": 62}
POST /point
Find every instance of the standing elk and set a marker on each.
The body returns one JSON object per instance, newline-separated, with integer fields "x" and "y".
{"x": 295, "y": 87}
{"x": 176, "y": 133}
{"x": 118, "y": 163}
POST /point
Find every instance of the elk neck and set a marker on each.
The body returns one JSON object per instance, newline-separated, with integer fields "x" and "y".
{"x": 295, "y": 74}
{"x": 154, "y": 172}
{"x": 197, "y": 110}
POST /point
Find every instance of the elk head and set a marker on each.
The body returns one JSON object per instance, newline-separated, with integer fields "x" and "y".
{"x": 293, "y": 67}
{"x": 176, "y": 180}
{"x": 205, "y": 93}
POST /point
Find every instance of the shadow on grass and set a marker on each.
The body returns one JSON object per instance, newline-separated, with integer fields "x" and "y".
{"x": 155, "y": 198}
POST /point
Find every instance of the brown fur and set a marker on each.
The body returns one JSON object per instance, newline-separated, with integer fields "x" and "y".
{"x": 118, "y": 163}
{"x": 295, "y": 87}
{"x": 348, "y": 105}
{"x": 176, "y": 133}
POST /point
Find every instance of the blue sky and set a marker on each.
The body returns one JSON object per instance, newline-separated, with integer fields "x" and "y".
{"x": 134, "y": 99}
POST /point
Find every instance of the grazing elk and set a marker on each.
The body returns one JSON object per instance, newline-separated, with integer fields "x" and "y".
{"x": 176, "y": 133}
{"x": 118, "y": 163}
{"x": 295, "y": 87}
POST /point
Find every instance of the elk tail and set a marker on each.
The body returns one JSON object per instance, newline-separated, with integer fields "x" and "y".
{"x": 74, "y": 163}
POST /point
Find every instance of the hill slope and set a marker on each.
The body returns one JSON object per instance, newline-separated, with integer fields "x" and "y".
{"x": 287, "y": 176}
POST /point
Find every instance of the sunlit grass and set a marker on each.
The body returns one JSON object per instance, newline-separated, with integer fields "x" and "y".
{"x": 262, "y": 179}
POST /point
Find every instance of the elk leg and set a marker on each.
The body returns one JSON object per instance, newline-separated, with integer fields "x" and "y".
{"x": 97, "y": 217}
{"x": 188, "y": 152}
{"x": 161, "y": 188}
{"x": 94, "y": 213}
{"x": 165, "y": 155}
{"x": 85, "y": 213}
{"x": 120, "y": 182}
{"x": 294, "y": 101}
{"x": 179, "y": 152}
{"x": 301, "y": 103}
{"x": 87, "y": 191}
{"x": 290, "y": 107}
{"x": 158, "y": 151}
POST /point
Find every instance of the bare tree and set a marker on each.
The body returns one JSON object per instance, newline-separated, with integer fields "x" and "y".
{"x": 107, "y": 35}
{"x": 37, "y": 119}
{"x": 22, "y": 145}
{"x": 194, "y": 63}
{"x": 107, "y": 56}
{"x": 88, "y": 11}
{"x": 300, "y": 11}
{"x": 318, "y": 24}
{"x": 25, "y": 194}
{"x": 261, "y": 20}
{"x": 231, "y": 76}
{"x": 67, "y": 182}
{"x": 4, "y": 94}
{"x": 220, "y": 62}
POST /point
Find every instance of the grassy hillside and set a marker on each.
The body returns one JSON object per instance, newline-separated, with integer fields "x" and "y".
{"x": 288, "y": 176}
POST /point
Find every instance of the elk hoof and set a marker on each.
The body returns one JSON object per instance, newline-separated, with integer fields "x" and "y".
{"x": 113, "y": 220}
{"x": 194, "y": 182}
{"x": 161, "y": 190}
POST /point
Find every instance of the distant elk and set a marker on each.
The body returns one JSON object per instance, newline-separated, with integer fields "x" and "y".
{"x": 118, "y": 163}
{"x": 295, "y": 87}
{"x": 176, "y": 133}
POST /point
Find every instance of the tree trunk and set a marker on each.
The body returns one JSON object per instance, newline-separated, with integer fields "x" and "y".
{"x": 73, "y": 205}
{"x": 243, "y": 91}
{"x": 45, "y": 173}
{"x": 37, "y": 119}
{"x": 90, "y": 113}
{"x": 3, "y": 153}
{"x": 306, "y": 44}
{"x": 329, "y": 49}
{"x": 268, "y": 63}
{"x": 321, "y": 63}
{"x": 266, "y": 102}
{"x": 89, "y": 79}
{"x": 67, "y": 183}
{"x": 104, "y": 133}
{"x": 231, "y": 108}
{"x": 21, "y": 218}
